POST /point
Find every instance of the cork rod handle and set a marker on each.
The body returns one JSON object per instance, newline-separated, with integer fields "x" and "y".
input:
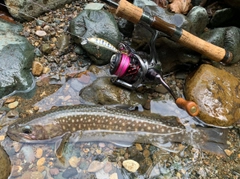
{"x": 135, "y": 14}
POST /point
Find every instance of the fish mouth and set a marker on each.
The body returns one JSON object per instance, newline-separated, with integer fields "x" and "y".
{"x": 14, "y": 135}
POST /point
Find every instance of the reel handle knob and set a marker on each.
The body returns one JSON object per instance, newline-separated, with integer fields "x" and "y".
{"x": 190, "y": 106}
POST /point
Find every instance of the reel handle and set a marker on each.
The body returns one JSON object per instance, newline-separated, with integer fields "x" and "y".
{"x": 191, "y": 107}
{"x": 135, "y": 14}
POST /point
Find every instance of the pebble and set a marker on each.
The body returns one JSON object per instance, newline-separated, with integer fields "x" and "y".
{"x": 13, "y": 105}
{"x": 113, "y": 176}
{"x": 146, "y": 153}
{"x": 39, "y": 153}
{"x": 40, "y": 33}
{"x": 16, "y": 171}
{"x": 139, "y": 147}
{"x": 10, "y": 100}
{"x": 37, "y": 68}
{"x": 131, "y": 165}
{"x": 69, "y": 173}
{"x": 31, "y": 175}
{"x": 17, "y": 146}
{"x": 228, "y": 152}
{"x": 74, "y": 161}
{"x": 54, "y": 171}
{"x": 108, "y": 167}
{"x": 2, "y": 137}
{"x": 95, "y": 166}
{"x": 41, "y": 161}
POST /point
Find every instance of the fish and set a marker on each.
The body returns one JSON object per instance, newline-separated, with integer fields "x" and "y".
{"x": 99, "y": 42}
{"x": 104, "y": 123}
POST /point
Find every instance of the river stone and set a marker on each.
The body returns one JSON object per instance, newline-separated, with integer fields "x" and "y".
{"x": 5, "y": 164}
{"x": 217, "y": 94}
{"x": 16, "y": 57}
{"x": 102, "y": 91}
{"x": 233, "y": 3}
{"x": 227, "y": 37}
{"x": 96, "y": 23}
{"x": 198, "y": 15}
{"x": 23, "y": 9}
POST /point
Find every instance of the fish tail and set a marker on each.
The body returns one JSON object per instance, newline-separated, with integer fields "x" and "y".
{"x": 214, "y": 140}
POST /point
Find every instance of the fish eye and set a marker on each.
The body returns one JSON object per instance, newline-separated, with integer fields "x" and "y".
{"x": 27, "y": 130}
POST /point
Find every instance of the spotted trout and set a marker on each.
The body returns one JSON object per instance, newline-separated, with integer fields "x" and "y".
{"x": 102, "y": 123}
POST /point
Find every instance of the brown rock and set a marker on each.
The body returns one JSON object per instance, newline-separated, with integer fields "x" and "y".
{"x": 5, "y": 164}
{"x": 217, "y": 94}
{"x": 37, "y": 68}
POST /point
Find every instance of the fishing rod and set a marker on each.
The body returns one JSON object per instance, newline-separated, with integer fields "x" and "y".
{"x": 135, "y": 14}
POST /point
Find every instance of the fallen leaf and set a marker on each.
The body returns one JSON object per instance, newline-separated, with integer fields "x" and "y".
{"x": 180, "y": 6}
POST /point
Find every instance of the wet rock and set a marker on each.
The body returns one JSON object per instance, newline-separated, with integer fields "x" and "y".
{"x": 96, "y": 23}
{"x": 5, "y": 164}
{"x": 102, "y": 91}
{"x": 126, "y": 27}
{"x": 23, "y": 9}
{"x": 227, "y": 37}
{"x": 221, "y": 17}
{"x": 198, "y": 16}
{"x": 217, "y": 94}
{"x": 16, "y": 56}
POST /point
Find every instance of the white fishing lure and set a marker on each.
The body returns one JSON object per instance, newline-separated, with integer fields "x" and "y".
{"x": 100, "y": 43}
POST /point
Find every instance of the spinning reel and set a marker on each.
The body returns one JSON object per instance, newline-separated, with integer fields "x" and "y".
{"x": 132, "y": 71}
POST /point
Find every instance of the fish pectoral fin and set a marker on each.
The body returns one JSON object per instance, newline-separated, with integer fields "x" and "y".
{"x": 60, "y": 144}
{"x": 123, "y": 144}
{"x": 168, "y": 146}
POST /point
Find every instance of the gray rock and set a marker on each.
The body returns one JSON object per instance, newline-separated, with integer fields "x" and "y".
{"x": 199, "y": 17}
{"x": 221, "y": 17}
{"x": 16, "y": 57}
{"x": 227, "y": 37}
{"x": 233, "y": 3}
{"x": 102, "y": 91}
{"x": 96, "y": 23}
{"x": 23, "y": 9}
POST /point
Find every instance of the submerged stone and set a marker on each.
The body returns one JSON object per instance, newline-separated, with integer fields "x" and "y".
{"x": 102, "y": 91}
{"x": 217, "y": 94}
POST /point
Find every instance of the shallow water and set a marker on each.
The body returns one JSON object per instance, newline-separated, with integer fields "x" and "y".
{"x": 77, "y": 157}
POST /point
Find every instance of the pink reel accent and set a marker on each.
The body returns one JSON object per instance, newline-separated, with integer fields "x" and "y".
{"x": 123, "y": 66}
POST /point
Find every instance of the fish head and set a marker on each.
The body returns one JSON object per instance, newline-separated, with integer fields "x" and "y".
{"x": 21, "y": 133}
